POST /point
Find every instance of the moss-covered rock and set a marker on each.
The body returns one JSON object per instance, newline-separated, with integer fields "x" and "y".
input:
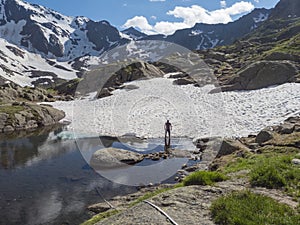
{"x": 27, "y": 116}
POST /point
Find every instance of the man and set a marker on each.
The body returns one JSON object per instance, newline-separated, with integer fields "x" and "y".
{"x": 168, "y": 128}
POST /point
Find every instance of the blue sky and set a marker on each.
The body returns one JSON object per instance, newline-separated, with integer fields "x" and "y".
{"x": 157, "y": 16}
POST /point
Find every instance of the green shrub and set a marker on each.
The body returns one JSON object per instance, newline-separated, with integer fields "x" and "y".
{"x": 246, "y": 208}
{"x": 203, "y": 178}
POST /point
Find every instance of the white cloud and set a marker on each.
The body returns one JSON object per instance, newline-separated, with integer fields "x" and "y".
{"x": 157, "y": 0}
{"x": 257, "y": 1}
{"x": 239, "y": 7}
{"x": 140, "y": 22}
{"x": 223, "y": 4}
{"x": 190, "y": 16}
{"x": 153, "y": 17}
{"x": 164, "y": 27}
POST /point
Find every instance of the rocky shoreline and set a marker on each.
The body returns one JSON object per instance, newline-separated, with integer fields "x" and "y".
{"x": 22, "y": 116}
{"x": 191, "y": 204}
{"x": 19, "y": 109}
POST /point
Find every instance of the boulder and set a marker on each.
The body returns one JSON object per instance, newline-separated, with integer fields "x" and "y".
{"x": 230, "y": 146}
{"x": 263, "y": 136}
{"x": 109, "y": 158}
{"x": 263, "y": 74}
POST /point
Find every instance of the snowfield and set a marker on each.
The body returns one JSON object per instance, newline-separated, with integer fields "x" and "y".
{"x": 192, "y": 111}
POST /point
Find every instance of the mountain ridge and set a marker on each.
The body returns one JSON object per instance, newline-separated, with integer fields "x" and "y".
{"x": 42, "y": 46}
{"x": 203, "y": 36}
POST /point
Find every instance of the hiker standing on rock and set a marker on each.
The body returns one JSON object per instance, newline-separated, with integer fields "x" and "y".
{"x": 168, "y": 128}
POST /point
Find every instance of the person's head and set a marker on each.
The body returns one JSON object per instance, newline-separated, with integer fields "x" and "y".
{"x": 167, "y": 121}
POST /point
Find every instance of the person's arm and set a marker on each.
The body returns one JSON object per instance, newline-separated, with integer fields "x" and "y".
{"x": 170, "y": 126}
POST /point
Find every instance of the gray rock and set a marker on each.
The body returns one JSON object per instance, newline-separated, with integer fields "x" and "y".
{"x": 8, "y": 129}
{"x": 253, "y": 145}
{"x": 283, "y": 56}
{"x": 286, "y": 128}
{"x": 183, "y": 81}
{"x": 104, "y": 93}
{"x": 230, "y": 146}
{"x": 263, "y": 136}
{"x": 296, "y": 161}
{"x": 263, "y": 74}
{"x": 297, "y": 128}
{"x": 21, "y": 120}
{"x": 31, "y": 124}
{"x": 99, "y": 208}
{"x": 178, "y": 75}
{"x": 109, "y": 158}
{"x": 3, "y": 118}
{"x": 293, "y": 119}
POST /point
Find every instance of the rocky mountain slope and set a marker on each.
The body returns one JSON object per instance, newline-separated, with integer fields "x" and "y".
{"x": 42, "y": 46}
{"x": 39, "y": 44}
{"x": 204, "y": 36}
{"x": 270, "y": 55}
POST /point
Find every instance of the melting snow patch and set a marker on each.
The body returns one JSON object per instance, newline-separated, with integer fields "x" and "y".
{"x": 192, "y": 111}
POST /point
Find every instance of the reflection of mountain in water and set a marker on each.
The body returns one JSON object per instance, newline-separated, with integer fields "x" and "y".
{"x": 19, "y": 148}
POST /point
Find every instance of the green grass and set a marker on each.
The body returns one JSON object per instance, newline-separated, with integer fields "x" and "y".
{"x": 276, "y": 172}
{"x": 291, "y": 46}
{"x": 51, "y": 91}
{"x": 100, "y": 217}
{"x": 246, "y": 208}
{"x": 204, "y": 178}
{"x": 9, "y": 109}
{"x": 271, "y": 169}
{"x": 238, "y": 164}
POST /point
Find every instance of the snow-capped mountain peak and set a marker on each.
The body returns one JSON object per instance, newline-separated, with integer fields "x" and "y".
{"x": 51, "y": 34}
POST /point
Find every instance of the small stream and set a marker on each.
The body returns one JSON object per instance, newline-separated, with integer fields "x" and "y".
{"x": 45, "y": 177}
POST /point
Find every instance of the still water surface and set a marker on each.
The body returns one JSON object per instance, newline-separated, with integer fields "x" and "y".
{"x": 44, "y": 178}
